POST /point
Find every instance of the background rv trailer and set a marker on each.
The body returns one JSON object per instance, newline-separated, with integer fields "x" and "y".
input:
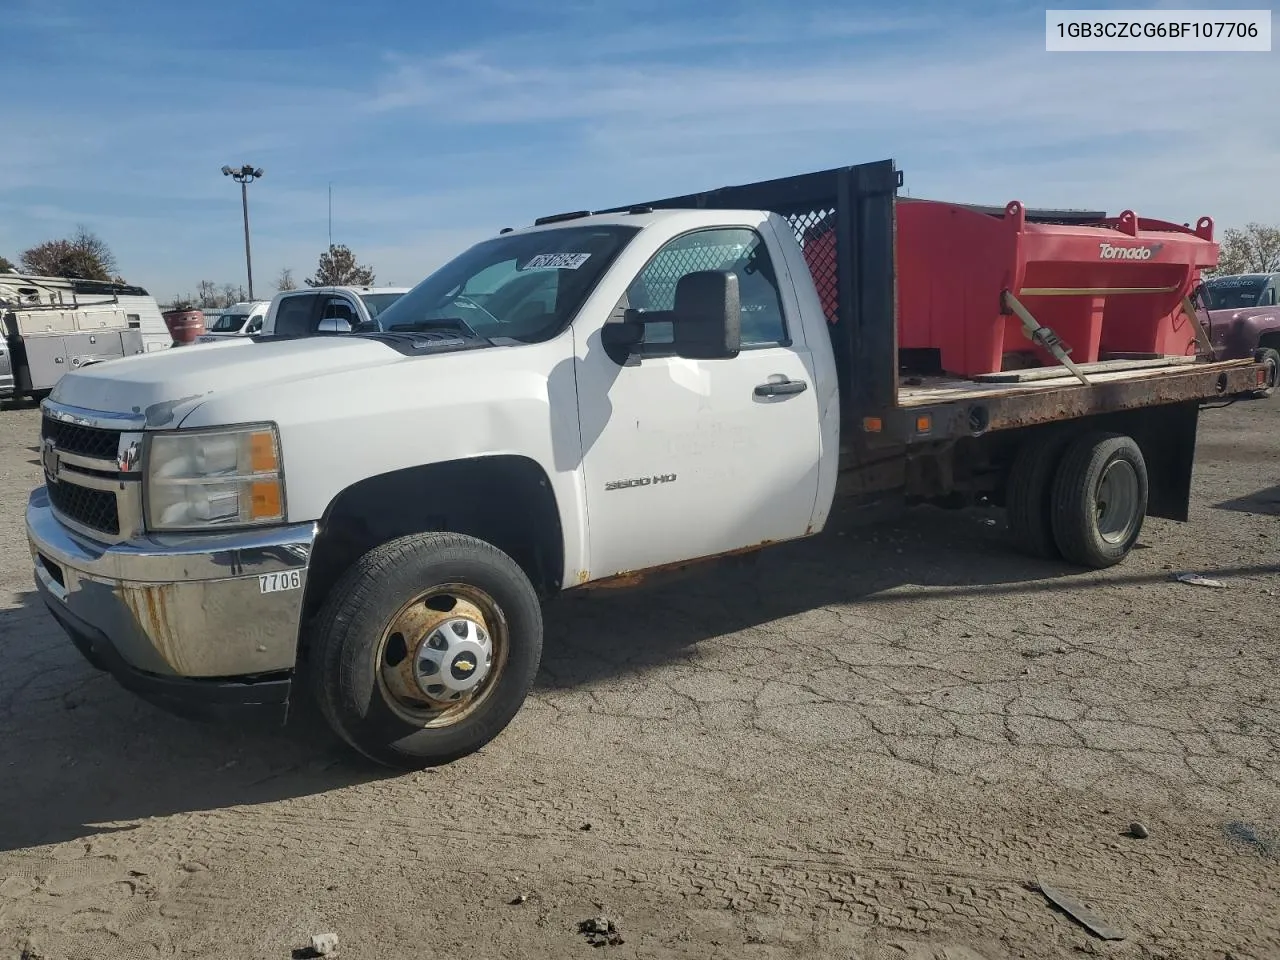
{"x": 52, "y": 325}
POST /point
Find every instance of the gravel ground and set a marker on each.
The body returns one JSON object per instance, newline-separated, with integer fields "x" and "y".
{"x": 874, "y": 744}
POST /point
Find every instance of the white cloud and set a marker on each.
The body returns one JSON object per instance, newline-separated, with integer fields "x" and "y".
{"x": 1169, "y": 127}
{"x": 428, "y": 153}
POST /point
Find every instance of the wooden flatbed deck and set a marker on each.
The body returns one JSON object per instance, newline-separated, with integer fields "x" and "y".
{"x": 942, "y": 408}
{"x": 923, "y": 391}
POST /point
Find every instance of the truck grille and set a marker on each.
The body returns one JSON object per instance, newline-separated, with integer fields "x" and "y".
{"x": 95, "y": 509}
{"x": 84, "y": 441}
{"x": 90, "y": 493}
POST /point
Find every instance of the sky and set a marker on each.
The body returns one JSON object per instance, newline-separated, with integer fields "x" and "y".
{"x": 438, "y": 123}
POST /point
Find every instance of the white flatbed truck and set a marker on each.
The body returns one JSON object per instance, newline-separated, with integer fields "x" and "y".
{"x": 381, "y": 514}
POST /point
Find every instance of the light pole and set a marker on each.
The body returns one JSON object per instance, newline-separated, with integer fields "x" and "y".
{"x": 244, "y": 176}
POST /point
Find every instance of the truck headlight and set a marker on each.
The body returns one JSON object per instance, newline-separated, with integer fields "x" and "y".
{"x": 228, "y": 477}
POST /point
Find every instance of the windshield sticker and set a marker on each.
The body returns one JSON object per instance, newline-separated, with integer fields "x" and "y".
{"x": 1238, "y": 281}
{"x": 557, "y": 261}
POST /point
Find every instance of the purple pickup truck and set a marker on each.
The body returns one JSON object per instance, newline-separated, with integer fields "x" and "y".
{"x": 1244, "y": 319}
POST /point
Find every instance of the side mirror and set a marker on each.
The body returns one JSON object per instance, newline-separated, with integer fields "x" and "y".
{"x": 255, "y": 326}
{"x": 622, "y": 336}
{"x": 334, "y": 325}
{"x": 707, "y": 317}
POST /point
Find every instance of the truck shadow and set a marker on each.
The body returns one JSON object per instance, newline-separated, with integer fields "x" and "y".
{"x": 82, "y": 756}
{"x": 1265, "y": 501}
{"x": 592, "y": 635}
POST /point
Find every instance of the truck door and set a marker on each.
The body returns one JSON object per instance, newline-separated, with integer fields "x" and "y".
{"x": 693, "y": 458}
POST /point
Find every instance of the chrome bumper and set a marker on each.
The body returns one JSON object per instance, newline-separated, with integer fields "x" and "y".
{"x": 175, "y": 606}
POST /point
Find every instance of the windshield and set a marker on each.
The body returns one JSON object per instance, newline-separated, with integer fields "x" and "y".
{"x": 375, "y": 303}
{"x": 228, "y": 323}
{"x": 523, "y": 286}
{"x": 1232, "y": 293}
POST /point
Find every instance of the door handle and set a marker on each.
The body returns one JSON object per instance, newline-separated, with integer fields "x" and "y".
{"x": 781, "y": 388}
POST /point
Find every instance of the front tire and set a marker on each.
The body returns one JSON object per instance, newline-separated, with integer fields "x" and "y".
{"x": 1099, "y": 499}
{"x": 426, "y": 648}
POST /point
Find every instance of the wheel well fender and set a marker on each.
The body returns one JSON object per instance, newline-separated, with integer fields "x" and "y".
{"x": 1270, "y": 339}
{"x": 504, "y": 500}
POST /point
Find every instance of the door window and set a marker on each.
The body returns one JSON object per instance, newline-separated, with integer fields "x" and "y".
{"x": 340, "y": 308}
{"x": 739, "y": 250}
{"x": 293, "y": 316}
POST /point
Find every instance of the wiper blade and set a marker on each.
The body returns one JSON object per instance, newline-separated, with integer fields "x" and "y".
{"x": 440, "y": 323}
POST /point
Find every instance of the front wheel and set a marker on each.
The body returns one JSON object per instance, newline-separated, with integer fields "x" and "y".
{"x": 426, "y": 649}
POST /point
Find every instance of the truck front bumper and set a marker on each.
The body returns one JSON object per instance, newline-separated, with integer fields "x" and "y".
{"x": 185, "y": 622}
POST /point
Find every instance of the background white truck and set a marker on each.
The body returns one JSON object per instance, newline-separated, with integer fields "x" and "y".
{"x": 52, "y": 325}
{"x": 304, "y": 313}
{"x": 582, "y": 400}
{"x": 242, "y": 319}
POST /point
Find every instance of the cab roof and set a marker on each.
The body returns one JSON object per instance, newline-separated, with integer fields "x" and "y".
{"x": 638, "y": 217}
{"x": 338, "y": 288}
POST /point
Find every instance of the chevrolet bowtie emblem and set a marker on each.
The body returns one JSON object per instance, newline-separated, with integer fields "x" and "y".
{"x": 466, "y": 666}
{"x": 49, "y": 460}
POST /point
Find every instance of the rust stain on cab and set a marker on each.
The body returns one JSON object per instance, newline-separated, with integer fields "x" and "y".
{"x": 633, "y": 578}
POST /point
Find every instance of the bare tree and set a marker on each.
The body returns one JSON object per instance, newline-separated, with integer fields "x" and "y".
{"x": 211, "y": 296}
{"x": 1253, "y": 249}
{"x": 338, "y": 267}
{"x": 207, "y": 295}
{"x": 82, "y": 256}
{"x": 6, "y": 266}
{"x": 285, "y": 280}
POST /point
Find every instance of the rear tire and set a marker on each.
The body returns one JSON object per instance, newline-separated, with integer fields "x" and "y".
{"x": 1028, "y": 495}
{"x": 1271, "y": 358}
{"x": 1099, "y": 499}
{"x": 425, "y": 649}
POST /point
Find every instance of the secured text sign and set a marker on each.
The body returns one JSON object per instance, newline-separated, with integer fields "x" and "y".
{"x": 1157, "y": 31}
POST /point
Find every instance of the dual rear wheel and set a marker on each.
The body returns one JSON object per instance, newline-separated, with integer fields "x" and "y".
{"x": 1082, "y": 499}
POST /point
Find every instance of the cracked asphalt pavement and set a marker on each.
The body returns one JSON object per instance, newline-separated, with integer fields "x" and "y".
{"x": 874, "y": 744}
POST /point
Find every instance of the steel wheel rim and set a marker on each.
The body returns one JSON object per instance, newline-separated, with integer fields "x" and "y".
{"x": 1116, "y": 503}
{"x": 414, "y": 634}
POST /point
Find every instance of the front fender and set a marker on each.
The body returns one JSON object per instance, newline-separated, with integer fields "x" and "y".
{"x": 339, "y": 428}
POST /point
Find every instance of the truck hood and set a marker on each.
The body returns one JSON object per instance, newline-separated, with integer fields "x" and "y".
{"x": 166, "y": 385}
{"x": 1241, "y": 315}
